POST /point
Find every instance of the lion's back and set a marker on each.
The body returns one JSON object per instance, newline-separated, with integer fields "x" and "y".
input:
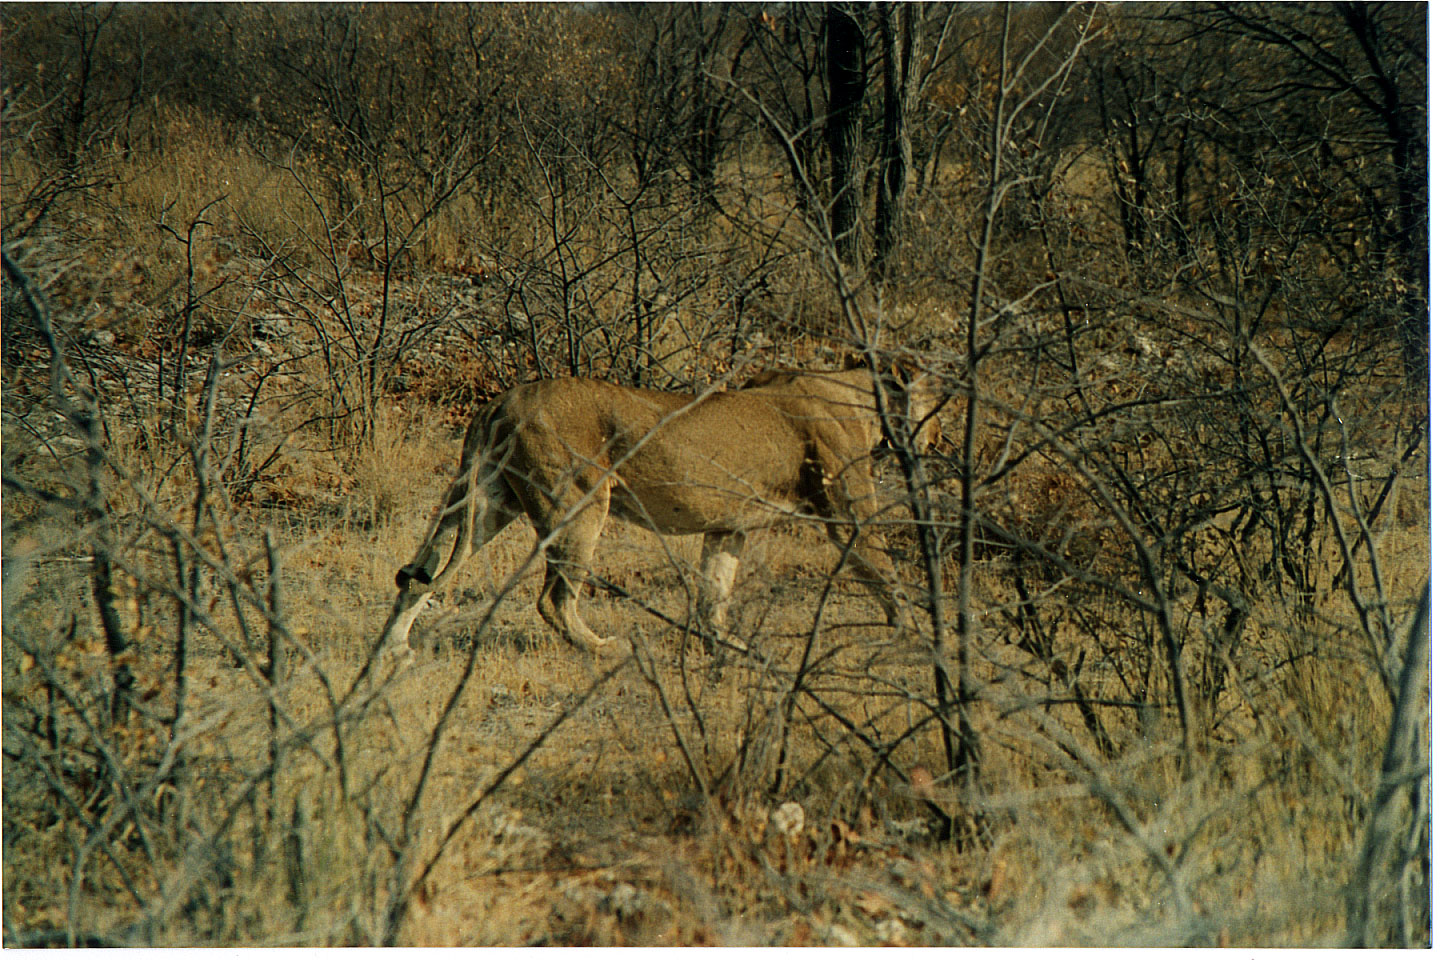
{"x": 683, "y": 463}
{"x": 557, "y": 421}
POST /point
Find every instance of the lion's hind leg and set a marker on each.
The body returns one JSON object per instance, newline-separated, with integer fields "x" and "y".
{"x": 571, "y": 524}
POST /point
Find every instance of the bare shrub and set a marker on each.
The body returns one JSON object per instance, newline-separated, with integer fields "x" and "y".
{"x": 1159, "y": 681}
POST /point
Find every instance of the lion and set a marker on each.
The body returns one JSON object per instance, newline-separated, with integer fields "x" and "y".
{"x": 568, "y": 452}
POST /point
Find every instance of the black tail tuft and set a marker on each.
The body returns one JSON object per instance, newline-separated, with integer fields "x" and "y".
{"x": 405, "y": 574}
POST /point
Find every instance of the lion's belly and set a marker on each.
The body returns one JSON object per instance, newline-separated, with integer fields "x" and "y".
{"x": 680, "y": 508}
{"x": 688, "y": 490}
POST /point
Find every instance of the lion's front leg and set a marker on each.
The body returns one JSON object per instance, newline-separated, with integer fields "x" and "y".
{"x": 867, "y": 557}
{"x": 847, "y": 494}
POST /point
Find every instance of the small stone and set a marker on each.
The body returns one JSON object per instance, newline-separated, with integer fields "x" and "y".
{"x": 788, "y": 818}
{"x": 625, "y": 900}
{"x": 892, "y": 931}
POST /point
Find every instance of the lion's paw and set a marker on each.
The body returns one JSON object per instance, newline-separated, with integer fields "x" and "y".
{"x": 604, "y": 648}
{"x": 612, "y": 648}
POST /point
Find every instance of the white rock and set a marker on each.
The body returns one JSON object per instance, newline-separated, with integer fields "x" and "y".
{"x": 788, "y": 818}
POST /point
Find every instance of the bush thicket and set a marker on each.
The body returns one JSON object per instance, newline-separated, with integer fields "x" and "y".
{"x": 1167, "y": 678}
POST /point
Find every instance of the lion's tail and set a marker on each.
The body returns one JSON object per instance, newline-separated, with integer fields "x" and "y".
{"x": 483, "y": 438}
{"x": 457, "y": 509}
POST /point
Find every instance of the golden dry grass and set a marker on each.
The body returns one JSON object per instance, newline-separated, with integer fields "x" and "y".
{"x": 655, "y": 813}
{"x": 603, "y": 836}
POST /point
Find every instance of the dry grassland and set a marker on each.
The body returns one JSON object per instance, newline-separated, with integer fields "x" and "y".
{"x": 497, "y": 788}
{"x": 659, "y": 810}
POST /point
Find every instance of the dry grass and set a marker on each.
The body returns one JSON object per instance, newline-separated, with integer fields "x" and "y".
{"x": 652, "y": 814}
{"x": 603, "y": 837}
{"x": 393, "y": 448}
{"x": 658, "y": 810}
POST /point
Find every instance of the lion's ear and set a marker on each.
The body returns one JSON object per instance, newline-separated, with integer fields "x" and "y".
{"x": 853, "y": 361}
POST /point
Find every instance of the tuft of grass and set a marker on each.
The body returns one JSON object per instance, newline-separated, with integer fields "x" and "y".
{"x": 384, "y": 464}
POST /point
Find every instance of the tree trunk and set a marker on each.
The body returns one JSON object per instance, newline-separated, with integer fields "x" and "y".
{"x": 845, "y": 69}
{"x": 1408, "y": 238}
{"x": 897, "y": 22}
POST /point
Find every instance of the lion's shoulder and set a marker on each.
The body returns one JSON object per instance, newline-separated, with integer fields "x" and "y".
{"x": 849, "y": 378}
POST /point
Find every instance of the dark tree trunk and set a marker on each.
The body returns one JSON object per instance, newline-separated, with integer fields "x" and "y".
{"x": 1408, "y": 236}
{"x": 845, "y": 69}
{"x": 897, "y": 21}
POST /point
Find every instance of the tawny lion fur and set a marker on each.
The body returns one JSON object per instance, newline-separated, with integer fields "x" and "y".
{"x": 568, "y": 452}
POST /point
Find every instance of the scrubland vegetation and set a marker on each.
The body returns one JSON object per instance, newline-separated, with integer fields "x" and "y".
{"x": 1166, "y": 681}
